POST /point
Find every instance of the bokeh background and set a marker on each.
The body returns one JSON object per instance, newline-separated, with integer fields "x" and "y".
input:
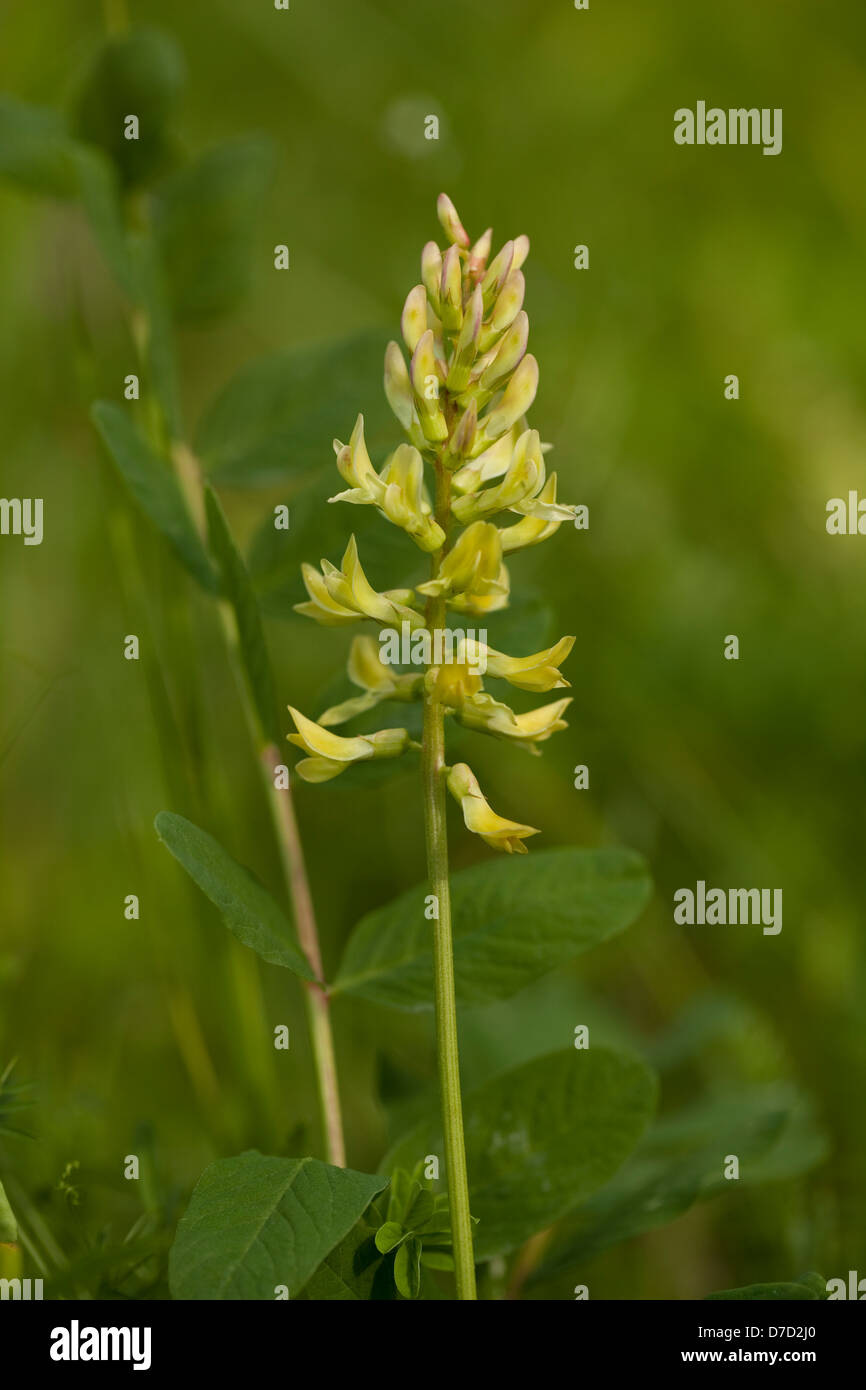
{"x": 707, "y": 518}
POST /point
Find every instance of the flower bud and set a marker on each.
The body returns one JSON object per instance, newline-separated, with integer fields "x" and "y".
{"x": 518, "y": 397}
{"x": 463, "y": 437}
{"x": 521, "y": 251}
{"x": 451, "y": 291}
{"x": 426, "y": 379}
{"x": 452, "y": 684}
{"x": 497, "y": 273}
{"x": 509, "y": 353}
{"x": 505, "y": 310}
{"x": 466, "y": 347}
{"x": 398, "y": 388}
{"x": 431, "y": 272}
{"x": 479, "y": 253}
{"x": 414, "y": 319}
{"x": 451, "y": 224}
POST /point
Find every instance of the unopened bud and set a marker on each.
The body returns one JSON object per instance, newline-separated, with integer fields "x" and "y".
{"x": 451, "y": 291}
{"x": 510, "y": 352}
{"x": 518, "y": 397}
{"x": 479, "y": 253}
{"x": 431, "y": 272}
{"x": 466, "y": 348}
{"x": 414, "y": 320}
{"x": 451, "y": 224}
{"x": 497, "y": 273}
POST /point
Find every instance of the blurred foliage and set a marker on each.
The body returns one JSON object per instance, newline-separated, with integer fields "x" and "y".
{"x": 154, "y": 1036}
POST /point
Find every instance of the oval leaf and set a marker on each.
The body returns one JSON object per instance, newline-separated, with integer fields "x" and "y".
{"x": 541, "y": 1138}
{"x": 142, "y": 72}
{"x": 247, "y": 908}
{"x": 681, "y": 1161}
{"x": 513, "y": 921}
{"x": 254, "y": 1223}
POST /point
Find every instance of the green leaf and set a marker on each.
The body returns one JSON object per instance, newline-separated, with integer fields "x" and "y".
{"x": 38, "y": 153}
{"x": 255, "y": 1222}
{"x": 276, "y": 419}
{"x": 514, "y": 920}
{"x": 36, "y": 150}
{"x": 141, "y": 73}
{"x": 101, "y": 199}
{"x": 247, "y": 908}
{"x": 389, "y": 1235}
{"x": 154, "y": 487}
{"x": 207, "y": 220}
{"x": 680, "y": 1162}
{"x": 437, "y": 1259}
{"x": 421, "y": 1210}
{"x": 353, "y": 1271}
{"x": 764, "y": 1292}
{"x": 251, "y": 637}
{"x": 407, "y": 1268}
{"x": 542, "y": 1138}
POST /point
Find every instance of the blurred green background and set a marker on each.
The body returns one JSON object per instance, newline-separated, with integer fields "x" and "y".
{"x": 707, "y": 518}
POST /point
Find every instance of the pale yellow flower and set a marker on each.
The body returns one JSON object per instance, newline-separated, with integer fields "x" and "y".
{"x": 492, "y": 716}
{"x": 351, "y": 596}
{"x": 479, "y": 816}
{"x": 330, "y": 754}
{"x": 538, "y": 672}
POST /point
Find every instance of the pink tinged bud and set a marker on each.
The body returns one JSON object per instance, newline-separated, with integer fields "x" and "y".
{"x": 479, "y": 253}
{"x": 451, "y": 291}
{"x": 497, "y": 273}
{"x": 463, "y": 437}
{"x": 511, "y": 351}
{"x": 414, "y": 320}
{"x": 518, "y": 397}
{"x": 451, "y": 224}
{"x": 431, "y": 272}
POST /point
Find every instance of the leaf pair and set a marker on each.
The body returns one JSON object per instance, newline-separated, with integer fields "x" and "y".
{"x": 417, "y": 1231}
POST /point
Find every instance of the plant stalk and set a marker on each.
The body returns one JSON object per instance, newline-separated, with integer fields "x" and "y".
{"x": 189, "y": 474}
{"x": 447, "y": 1049}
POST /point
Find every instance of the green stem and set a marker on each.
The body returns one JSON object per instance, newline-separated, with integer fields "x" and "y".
{"x": 447, "y": 1049}
{"x": 189, "y": 474}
